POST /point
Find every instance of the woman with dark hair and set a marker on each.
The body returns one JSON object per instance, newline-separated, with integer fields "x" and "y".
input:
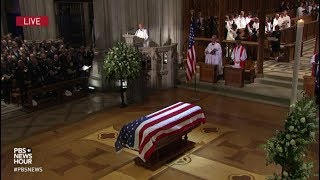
{"x": 275, "y": 43}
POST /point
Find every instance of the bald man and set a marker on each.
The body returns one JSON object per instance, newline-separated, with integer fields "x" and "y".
{"x": 143, "y": 34}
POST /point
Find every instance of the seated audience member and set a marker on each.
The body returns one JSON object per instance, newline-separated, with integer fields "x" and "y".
{"x": 275, "y": 22}
{"x": 275, "y": 44}
{"x": 35, "y": 73}
{"x": 300, "y": 10}
{"x": 239, "y": 55}
{"x": 232, "y": 34}
{"x": 22, "y": 80}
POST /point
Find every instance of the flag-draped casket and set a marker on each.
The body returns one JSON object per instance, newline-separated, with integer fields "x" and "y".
{"x": 143, "y": 134}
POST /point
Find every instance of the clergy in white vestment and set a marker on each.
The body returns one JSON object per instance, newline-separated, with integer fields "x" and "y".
{"x": 239, "y": 55}
{"x": 143, "y": 34}
{"x": 214, "y": 54}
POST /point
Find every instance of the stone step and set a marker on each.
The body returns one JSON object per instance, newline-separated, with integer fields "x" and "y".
{"x": 278, "y": 82}
{"x": 274, "y": 95}
{"x": 281, "y": 78}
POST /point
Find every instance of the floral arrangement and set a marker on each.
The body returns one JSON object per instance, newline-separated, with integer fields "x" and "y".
{"x": 122, "y": 62}
{"x": 289, "y": 147}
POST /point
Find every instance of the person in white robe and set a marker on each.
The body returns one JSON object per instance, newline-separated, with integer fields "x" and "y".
{"x": 228, "y": 23}
{"x": 239, "y": 55}
{"x": 213, "y": 54}
{"x": 275, "y": 22}
{"x": 232, "y": 33}
{"x": 248, "y": 18}
{"x": 143, "y": 34}
{"x": 242, "y": 20}
{"x": 237, "y": 21}
{"x": 300, "y": 10}
{"x": 286, "y": 20}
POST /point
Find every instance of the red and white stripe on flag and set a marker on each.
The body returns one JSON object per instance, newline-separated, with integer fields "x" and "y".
{"x": 174, "y": 119}
{"x": 191, "y": 63}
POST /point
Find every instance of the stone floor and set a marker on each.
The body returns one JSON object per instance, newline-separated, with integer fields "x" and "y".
{"x": 18, "y": 123}
{"x": 228, "y": 146}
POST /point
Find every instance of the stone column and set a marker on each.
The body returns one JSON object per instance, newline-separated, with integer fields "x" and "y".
{"x": 39, "y": 8}
{"x": 97, "y": 77}
{"x": 262, "y": 23}
{"x": 4, "y": 28}
{"x": 86, "y": 23}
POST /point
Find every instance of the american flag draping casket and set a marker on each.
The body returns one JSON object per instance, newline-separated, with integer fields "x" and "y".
{"x": 143, "y": 134}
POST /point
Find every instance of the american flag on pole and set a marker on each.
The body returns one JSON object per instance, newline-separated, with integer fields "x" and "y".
{"x": 143, "y": 134}
{"x": 191, "y": 57}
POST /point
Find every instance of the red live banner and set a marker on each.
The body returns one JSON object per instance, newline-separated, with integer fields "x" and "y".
{"x": 32, "y": 21}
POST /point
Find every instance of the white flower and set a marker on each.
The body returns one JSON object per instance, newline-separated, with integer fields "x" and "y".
{"x": 285, "y": 174}
{"x": 287, "y": 144}
{"x": 303, "y": 120}
{"x": 292, "y": 105}
{"x": 288, "y": 136}
{"x": 291, "y": 128}
{"x": 312, "y": 134}
{"x": 279, "y": 149}
{"x": 293, "y": 142}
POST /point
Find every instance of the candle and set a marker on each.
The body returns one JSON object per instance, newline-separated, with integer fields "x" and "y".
{"x": 296, "y": 68}
{"x": 300, "y": 22}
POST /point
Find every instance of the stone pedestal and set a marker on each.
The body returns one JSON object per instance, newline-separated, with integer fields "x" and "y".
{"x": 97, "y": 77}
{"x": 128, "y": 39}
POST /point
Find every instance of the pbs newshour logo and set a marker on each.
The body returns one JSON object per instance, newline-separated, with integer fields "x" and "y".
{"x": 22, "y": 156}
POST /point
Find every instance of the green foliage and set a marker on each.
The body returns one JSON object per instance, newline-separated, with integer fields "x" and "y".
{"x": 288, "y": 147}
{"x": 122, "y": 62}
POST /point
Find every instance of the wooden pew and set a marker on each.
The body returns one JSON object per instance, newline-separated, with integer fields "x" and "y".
{"x": 306, "y": 19}
{"x": 250, "y": 71}
{"x": 57, "y": 92}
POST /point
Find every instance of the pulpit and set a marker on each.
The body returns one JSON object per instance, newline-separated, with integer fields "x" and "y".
{"x": 208, "y": 72}
{"x": 162, "y": 61}
{"x": 234, "y": 76}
